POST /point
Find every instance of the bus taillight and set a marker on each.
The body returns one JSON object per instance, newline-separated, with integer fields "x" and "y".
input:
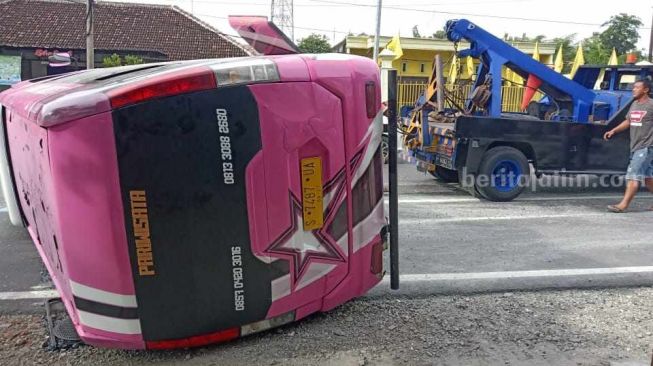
{"x": 165, "y": 86}
{"x": 371, "y": 100}
{"x": 197, "y": 341}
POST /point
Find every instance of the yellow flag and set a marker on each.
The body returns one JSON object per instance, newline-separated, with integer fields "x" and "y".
{"x": 536, "y": 52}
{"x": 512, "y": 77}
{"x": 559, "y": 61}
{"x": 578, "y": 61}
{"x": 516, "y": 79}
{"x": 613, "y": 58}
{"x": 453, "y": 70}
{"x": 395, "y": 46}
{"x": 471, "y": 71}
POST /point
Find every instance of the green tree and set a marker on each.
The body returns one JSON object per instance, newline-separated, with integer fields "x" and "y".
{"x": 441, "y": 34}
{"x": 524, "y": 38}
{"x": 112, "y": 61}
{"x": 416, "y": 32}
{"x": 314, "y": 43}
{"x": 595, "y": 52}
{"x": 621, "y": 33}
{"x": 539, "y": 38}
{"x": 133, "y": 60}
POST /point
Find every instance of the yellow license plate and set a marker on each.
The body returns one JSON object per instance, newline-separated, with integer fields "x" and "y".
{"x": 312, "y": 193}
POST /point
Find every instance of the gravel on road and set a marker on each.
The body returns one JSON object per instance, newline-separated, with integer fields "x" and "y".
{"x": 576, "y": 327}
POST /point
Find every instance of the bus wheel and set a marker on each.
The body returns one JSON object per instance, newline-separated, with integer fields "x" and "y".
{"x": 444, "y": 174}
{"x": 502, "y": 174}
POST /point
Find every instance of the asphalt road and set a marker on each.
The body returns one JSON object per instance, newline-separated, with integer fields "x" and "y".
{"x": 462, "y": 263}
{"x": 447, "y": 230}
{"x": 558, "y": 234}
{"x": 453, "y": 243}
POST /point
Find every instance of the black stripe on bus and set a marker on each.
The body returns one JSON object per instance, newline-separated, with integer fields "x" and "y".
{"x": 111, "y": 311}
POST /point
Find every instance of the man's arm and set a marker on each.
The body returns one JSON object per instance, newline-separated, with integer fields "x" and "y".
{"x": 623, "y": 126}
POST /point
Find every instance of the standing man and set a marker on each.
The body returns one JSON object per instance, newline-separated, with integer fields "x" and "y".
{"x": 640, "y": 122}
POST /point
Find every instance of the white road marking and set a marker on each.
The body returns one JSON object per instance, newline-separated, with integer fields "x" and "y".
{"x": 436, "y": 277}
{"x": 525, "y": 199}
{"x": 428, "y": 277}
{"x": 26, "y": 295}
{"x": 439, "y": 200}
{"x": 493, "y": 218}
{"x": 40, "y": 287}
{"x": 4, "y": 209}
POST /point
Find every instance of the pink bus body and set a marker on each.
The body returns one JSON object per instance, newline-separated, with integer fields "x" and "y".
{"x": 167, "y": 200}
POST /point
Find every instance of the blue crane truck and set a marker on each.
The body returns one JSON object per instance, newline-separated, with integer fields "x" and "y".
{"x": 490, "y": 151}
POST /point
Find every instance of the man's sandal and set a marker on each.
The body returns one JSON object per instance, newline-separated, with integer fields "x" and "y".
{"x": 615, "y": 209}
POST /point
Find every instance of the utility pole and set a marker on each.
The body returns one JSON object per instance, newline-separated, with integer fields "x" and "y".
{"x": 377, "y": 32}
{"x": 650, "y": 44}
{"x": 90, "y": 51}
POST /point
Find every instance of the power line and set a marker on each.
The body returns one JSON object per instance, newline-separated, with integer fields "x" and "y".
{"x": 455, "y": 13}
{"x": 347, "y": 4}
{"x": 461, "y": 13}
{"x": 247, "y": 4}
{"x": 331, "y": 3}
{"x": 296, "y": 27}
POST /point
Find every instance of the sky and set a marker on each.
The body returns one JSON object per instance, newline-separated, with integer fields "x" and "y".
{"x": 336, "y": 18}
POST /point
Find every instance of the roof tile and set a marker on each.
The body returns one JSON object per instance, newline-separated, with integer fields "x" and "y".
{"x": 118, "y": 26}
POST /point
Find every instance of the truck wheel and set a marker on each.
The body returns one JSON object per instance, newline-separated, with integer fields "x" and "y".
{"x": 385, "y": 149}
{"x": 444, "y": 174}
{"x": 502, "y": 174}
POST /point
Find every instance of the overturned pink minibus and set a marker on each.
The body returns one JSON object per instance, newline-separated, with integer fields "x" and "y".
{"x": 185, "y": 203}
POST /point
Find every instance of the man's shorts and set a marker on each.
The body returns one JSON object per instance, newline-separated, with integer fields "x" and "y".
{"x": 641, "y": 165}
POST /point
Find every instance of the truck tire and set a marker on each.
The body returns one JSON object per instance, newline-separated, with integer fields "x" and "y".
{"x": 444, "y": 174}
{"x": 502, "y": 174}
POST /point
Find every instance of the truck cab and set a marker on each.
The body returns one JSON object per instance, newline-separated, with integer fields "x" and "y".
{"x": 613, "y": 84}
